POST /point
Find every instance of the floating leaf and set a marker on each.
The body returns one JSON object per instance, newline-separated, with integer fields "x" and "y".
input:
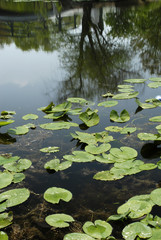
{"x": 59, "y": 220}
{"x": 124, "y": 116}
{"x": 99, "y": 229}
{"x": 56, "y": 165}
{"x": 155, "y": 119}
{"x": 131, "y": 231}
{"x": 63, "y": 107}
{"x": 125, "y": 90}
{"x": 137, "y": 208}
{"x": 13, "y": 197}
{"x": 154, "y": 84}
{"x": 58, "y": 125}
{"x": 80, "y": 101}
{"x": 149, "y": 136}
{"x": 19, "y": 166}
{"x": 18, "y": 177}
{"x": 47, "y": 108}
{"x": 156, "y": 233}
{"x": 8, "y": 113}
{"x": 30, "y": 116}
{"x": 108, "y": 104}
{"x": 108, "y": 94}
{"x": 50, "y": 149}
{"x": 8, "y": 159}
{"x": 124, "y": 153}
{"x": 107, "y": 176}
{"x": 75, "y": 111}
{"x": 5, "y": 220}
{"x": 156, "y": 196}
{"x": 144, "y": 105}
{"x": 97, "y": 149}
{"x": 77, "y": 236}
{"x": 125, "y": 95}
{"x": 80, "y": 156}
{"x": 84, "y": 137}
{"x": 5, "y": 179}
{"x": 113, "y": 128}
{"x": 128, "y": 130}
{"x": 89, "y": 117}
{"x": 21, "y": 130}
{"x": 54, "y": 195}
{"x": 3, "y": 236}
{"x": 135, "y": 80}
{"x": 125, "y": 86}
{"x": 155, "y": 79}
{"x": 4, "y": 123}
{"x": 147, "y": 166}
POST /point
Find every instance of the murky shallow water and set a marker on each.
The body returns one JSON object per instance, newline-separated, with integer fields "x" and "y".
{"x": 53, "y": 60}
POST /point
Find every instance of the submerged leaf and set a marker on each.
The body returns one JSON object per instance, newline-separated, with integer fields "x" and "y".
{"x": 59, "y": 220}
{"x": 54, "y": 195}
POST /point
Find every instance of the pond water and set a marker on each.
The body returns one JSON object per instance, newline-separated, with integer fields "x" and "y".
{"x": 50, "y": 52}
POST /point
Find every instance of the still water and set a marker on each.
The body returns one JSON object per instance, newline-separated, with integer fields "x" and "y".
{"x": 49, "y": 52}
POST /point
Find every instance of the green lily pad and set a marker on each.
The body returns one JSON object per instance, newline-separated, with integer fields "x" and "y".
{"x": 80, "y": 101}
{"x": 108, "y": 94}
{"x": 99, "y": 229}
{"x": 89, "y": 117}
{"x": 108, "y": 104}
{"x": 155, "y": 119}
{"x": 58, "y": 125}
{"x": 8, "y": 113}
{"x": 80, "y": 156}
{"x": 59, "y": 220}
{"x": 124, "y": 116}
{"x": 56, "y": 165}
{"x": 4, "y": 123}
{"x": 63, "y": 107}
{"x": 75, "y": 111}
{"x": 84, "y": 137}
{"x": 129, "y": 164}
{"x": 3, "y": 235}
{"x": 125, "y": 90}
{"x": 135, "y": 80}
{"x": 156, "y": 196}
{"x": 125, "y": 95}
{"x": 5, "y": 179}
{"x": 97, "y": 149}
{"x": 54, "y": 195}
{"x": 144, "y": 105}
{"x": 147, "y": 166}
{"x": 18, "y": 177}
{"x": 156, "y": 233}
{"x": 128, "y": 130}
{"x": 77, "y": 236}
{"x": 13, "y": 197}
{"x": 19, "y": 166}
{"x": 155, "y": 79}
{"x": 5, "y": 220}
{"x": 30, "y": 116}
{"x": 125, "y": 86}
{"x": 154, "y": 84}
{"x": 8, "y": 159}
{"x": 21, "y": 130}
{"x": 126, "y": 153}
{"x": 131, "y": 231}
{"x": 47, "y": 108}
{"x": 50, "y": 149}
{"x": 149, "y": 136}
{"x": 113, "y": 128}
{"x": 107, "y": 176}
{"x": 159, "y": 128}
{"x": 137, "y": 208}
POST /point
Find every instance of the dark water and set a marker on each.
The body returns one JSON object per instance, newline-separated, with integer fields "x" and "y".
{"x": 49, "y": 55}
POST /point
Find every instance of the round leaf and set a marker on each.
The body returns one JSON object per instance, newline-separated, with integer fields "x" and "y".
{"x": 100, "y": 229}
{"x": 135, "y": 80}
{"x": 5, "y": 220}
{"x": 80, "y": 156}
{"x": 54, "y": 195}
{"x": 3, "y": 236}
{"x": 131, "y": 231}
{"x": 19, "y": 166}
{"x": 59, "y": 220}
{"x": 77, "y": 236}
{"x": 5, "y": 179}
{"x": 124, "y": 153}
{"x": 108, "y": 103}
{"x": 30, "y": 116}
{"x": 58, "y": 125}
{"x": 156, "y": 196}
{"x": 97, "y": 150}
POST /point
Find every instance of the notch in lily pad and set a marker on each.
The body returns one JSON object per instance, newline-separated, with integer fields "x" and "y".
{"x": 50, "y": 149}
{"x": 89, "y": 117}
{"x": 124, "y": 116}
